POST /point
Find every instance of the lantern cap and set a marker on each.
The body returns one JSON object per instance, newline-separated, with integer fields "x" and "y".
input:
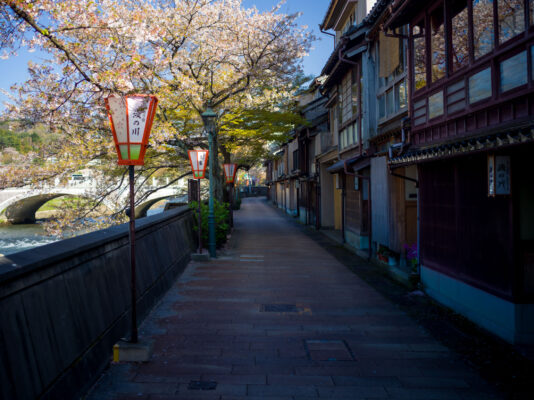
{"x": 209, "y": 114}
{"x": 208, "y": 118}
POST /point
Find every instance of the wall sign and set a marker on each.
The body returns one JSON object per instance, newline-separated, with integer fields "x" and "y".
{"x": 499, "y": 175}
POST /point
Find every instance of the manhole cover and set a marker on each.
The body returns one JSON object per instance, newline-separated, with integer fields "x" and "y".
{"x": 328, "y": 350}
{"x": 279, "y": 308}
{"x": 202, "y": 385}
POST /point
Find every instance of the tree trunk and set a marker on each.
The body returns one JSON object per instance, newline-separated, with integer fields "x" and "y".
{"x": 227, "y": 158}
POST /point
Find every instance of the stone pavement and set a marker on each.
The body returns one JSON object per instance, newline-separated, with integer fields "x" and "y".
{"x": 277, "y": 317}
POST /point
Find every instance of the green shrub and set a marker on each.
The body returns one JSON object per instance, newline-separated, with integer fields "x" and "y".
{"x": 222, "y": 218}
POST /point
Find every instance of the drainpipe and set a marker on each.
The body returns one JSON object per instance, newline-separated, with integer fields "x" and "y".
{"x": 405, "y": 125}
{"x": 328, "y": 33}
{"x": 369, "y": 219}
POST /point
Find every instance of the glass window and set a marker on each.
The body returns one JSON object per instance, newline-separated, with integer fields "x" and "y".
{"x": 390, "y": 102}
{"x": 480, "y": 86}
{"x": 482, "y": 27}
{"x": 459, "y": 34}
{"x": 437, "y": 43}
{"x": 418, "y": 31}
{"x": 435, "y": 105}
{"x": 403, "y": 94}
{"x": 355, "y": 131}
{"x": 514, "y": 72}
{"x": 382, "y": 106}
{"x": 511, "y": 18}
{"x": 354, "y": 91}
{"x": 531, "y": 6}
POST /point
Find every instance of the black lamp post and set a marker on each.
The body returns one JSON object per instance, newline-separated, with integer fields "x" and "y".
{"x": 209, "y": 118}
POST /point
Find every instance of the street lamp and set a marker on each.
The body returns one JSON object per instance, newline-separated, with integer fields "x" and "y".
{"x": 131, "y": 120}
{"x": 197, "y": 159}
{"x": 208, "y": 118}
{"x": 229, "y": 175}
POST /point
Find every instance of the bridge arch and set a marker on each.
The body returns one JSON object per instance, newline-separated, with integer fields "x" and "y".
{"x": 142, "y": 209}
{"x": 21, "y": 210}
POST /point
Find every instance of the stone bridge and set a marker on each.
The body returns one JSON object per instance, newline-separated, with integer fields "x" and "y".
{"x": 21, "y": 204}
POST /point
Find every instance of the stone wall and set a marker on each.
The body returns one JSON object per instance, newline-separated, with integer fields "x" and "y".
{"x": 64, "y": 305}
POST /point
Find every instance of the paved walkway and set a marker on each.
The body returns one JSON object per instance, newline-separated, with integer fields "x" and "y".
{"x": 277, "y": 317}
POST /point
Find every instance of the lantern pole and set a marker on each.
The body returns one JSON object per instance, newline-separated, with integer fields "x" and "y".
{"x": 199, "y": 220}
{"x": 211, "y": 213}
{"x": 232, "y": 205}
{"x": 133, "y": 339}
{"x": 208, "y": 118}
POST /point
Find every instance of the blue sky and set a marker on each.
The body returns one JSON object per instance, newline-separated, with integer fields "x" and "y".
{"x": 14, "y": 69}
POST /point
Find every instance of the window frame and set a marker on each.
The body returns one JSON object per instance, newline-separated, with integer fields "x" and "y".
{"x": 391, "y": 82}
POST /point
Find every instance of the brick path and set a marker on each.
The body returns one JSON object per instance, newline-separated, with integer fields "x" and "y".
{"x": 277, "y": 317}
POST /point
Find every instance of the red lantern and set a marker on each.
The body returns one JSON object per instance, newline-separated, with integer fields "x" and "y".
{"x": 199, "y": 161}
{"x": 131, "y": 120}
{"x": 229, "y": 172}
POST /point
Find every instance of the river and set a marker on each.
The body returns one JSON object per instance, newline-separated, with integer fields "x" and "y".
{"x": 15, "y": 238}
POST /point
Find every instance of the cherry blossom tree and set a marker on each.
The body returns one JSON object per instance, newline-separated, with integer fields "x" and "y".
{"x": 189, "y": 53}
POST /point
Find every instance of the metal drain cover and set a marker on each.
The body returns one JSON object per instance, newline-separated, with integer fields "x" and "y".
{"x": 292, "y": 308}
{"x": 328, "y": 350}
{"x": 202, "y": 385}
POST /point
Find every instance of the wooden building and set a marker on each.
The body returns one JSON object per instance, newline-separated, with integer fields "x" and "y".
{"x": 471, "y": 97}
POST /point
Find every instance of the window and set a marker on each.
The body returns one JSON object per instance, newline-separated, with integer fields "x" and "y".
{"x": 513, "y": 72}
{"x": 480, "y": 86}
{"x": 511, "y": 18}
{"x": 459, "y": 35}
{"x": 531, "y": 6}
{"x": 482, "y": 27}
{"x": 437, "y": 24}
{"x": 346, "y": 98}
{"x": 381, "y": 106}
{"x": 402, "y": 94}
{"x": 390, "y": 102}
{"x": 418, "y": 33}
{"x": 435, "y": 105}
{"x": 355, "y": 94}
{"x": 295, "y": 160}
{"x": 392, "y": 95}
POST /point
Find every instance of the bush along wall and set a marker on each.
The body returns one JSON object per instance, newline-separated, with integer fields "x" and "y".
{"x": 222, "y": 221}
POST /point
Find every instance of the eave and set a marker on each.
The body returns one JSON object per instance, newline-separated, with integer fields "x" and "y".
{"x": 464, "y": 146}
{"x": 335, "y": 11}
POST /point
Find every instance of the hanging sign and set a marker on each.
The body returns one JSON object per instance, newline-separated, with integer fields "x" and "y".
{"x": 499, "y": 175}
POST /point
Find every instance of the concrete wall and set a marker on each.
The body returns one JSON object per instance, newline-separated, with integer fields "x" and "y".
{"x": 64, "y": 305}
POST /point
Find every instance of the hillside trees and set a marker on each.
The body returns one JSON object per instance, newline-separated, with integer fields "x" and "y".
{"x": 189, "y": 53}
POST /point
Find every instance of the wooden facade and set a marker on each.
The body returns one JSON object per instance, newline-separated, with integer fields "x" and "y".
{"x": 471, "y": 95}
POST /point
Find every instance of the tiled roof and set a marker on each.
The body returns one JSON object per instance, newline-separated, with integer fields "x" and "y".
{"x": 464, "y": 146}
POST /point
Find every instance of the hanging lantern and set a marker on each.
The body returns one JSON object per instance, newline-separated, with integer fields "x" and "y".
{"x": 229, "y": 172}
{"x": 199, "y": 161}
{"x": 131, "y": 120}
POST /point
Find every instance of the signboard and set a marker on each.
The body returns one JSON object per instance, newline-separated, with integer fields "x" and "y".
{"x": 499, "y": 175}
